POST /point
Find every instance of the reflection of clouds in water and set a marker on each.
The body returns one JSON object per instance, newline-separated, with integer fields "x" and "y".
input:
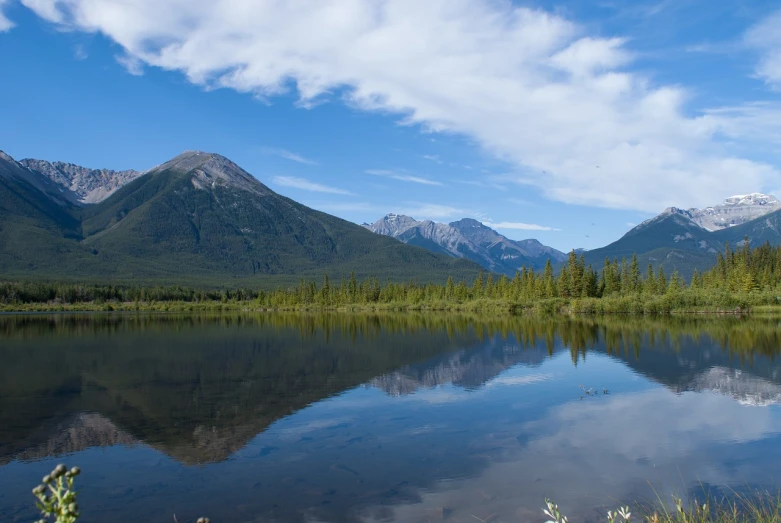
{"x": 450, "y": 393}
{"x": 299, "y": 430}
{"x": 657, "y": 424}
{"x": 519, "y": 380}
{"x": 588, "y": 455}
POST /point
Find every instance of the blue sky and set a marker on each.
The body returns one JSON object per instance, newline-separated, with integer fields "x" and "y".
{"x": 562, "y": 121}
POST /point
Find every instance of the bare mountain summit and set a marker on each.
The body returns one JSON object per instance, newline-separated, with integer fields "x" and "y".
{"x": 470, "y": 239}
{"x": 735, "y": 210}
{"x": 81, "y": 185}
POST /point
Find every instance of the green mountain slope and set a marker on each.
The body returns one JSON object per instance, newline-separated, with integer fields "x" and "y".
{"x": 39, "y": 233}
{"x": 671, "y": 240}
{"x": 764, "y": 229}
{"x": 196, "y": 218}
{"x": 674, "y": 242}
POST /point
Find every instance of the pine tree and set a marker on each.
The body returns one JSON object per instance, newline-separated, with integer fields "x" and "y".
{"x": 650, "y": 281}
{"x": 661, "y": 281}
{"x": 477, "y": 287}
{"x": 549, "y": 285}
{"x": 634, "y": 275}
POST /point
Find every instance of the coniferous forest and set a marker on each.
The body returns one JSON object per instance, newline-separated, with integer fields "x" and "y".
{"x": 742, "y": 278}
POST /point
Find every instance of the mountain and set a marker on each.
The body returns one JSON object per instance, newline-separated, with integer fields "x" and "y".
{"x": 735, "y": 210}
{"x": 677, "y": 241}
{"x": 196, "y": 218}
{"x": 468, "y": 239}
{"x": 80, "y": 184}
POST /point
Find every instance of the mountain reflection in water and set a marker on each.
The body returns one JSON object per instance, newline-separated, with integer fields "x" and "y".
{"x": 347, "y": 417}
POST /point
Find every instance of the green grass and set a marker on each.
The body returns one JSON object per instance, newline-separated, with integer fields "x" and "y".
{"x": 756, "y": 508}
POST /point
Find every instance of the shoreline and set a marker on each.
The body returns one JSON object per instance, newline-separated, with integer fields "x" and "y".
{"x": 485, "y": 307}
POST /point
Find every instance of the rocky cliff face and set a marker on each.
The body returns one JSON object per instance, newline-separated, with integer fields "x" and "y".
{"x": 468, "y": 238}
{"x": 735, "y": 210}
{"x": 81, "y": 184}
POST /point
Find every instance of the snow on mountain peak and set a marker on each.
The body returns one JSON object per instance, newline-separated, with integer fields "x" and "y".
{"x": 755, "y": 198}
{"x": 735, "y": 210}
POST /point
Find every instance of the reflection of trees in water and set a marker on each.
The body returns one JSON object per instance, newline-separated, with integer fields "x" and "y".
{"x": 199, "y": 387}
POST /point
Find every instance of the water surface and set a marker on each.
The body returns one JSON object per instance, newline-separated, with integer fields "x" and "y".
{"x": 285, "y": 417}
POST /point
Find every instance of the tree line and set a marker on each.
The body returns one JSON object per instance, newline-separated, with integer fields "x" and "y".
{"x": 751, "y": 273}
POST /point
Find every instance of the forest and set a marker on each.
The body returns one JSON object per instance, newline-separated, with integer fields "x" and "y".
{"x": 742, "y": 278}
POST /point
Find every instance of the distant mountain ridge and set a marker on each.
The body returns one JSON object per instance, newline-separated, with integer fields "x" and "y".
{"x": 196, "y": 218}
{"x": 678, "y": 239}
{"x": 735, "y": 210}
{"x": 80, "y": 184}
{"x": 470, "y": 239}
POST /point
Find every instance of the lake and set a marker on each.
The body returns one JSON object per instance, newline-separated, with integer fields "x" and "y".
{"x": 360, "y": 417}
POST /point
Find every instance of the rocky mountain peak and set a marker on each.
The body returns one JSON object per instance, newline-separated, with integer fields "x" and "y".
{"x": 468, "y": 223}
{"x": 392, "y": 224}
{"x": 210, "y": 169}
{"x": 735, "y": 210}
{"x": 78, "y": 184}
{"x": 755, "y": 198}
{"x": 467, "y": 238}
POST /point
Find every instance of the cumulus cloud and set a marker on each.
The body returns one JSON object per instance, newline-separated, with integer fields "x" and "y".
{"x": 288, "y": 155}
{"x": 402, "y": 176}
{"x": 765, "y": 37}
{"x": 306, "y": 185}
{"x": 529, "y": 86}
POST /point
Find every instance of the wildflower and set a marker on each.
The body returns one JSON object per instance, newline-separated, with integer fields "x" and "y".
{"x": 553, "y": 512}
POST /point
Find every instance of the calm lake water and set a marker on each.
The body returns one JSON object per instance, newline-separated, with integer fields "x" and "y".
{"x": 383, "y": 417}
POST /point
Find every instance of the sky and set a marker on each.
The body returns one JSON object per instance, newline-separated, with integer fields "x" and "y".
{"x": 569, "y": 122}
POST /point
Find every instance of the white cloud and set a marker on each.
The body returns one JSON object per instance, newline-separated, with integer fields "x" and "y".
{"x": 306, "y": 185}
{"x": 520, "y": 226}
{"x": 5, "y": 23}
{"x": 531, "y": 87}
{"x": 758, "y": 121}
{"x": 131, "y": 64}
{"x": 765, "y": 37}
{"x": 402, "y": 176}
{"x": 433, "y": 158}
{"x": 288, "y": 155}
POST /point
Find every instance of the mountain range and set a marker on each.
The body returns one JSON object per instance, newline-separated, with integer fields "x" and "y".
{"x": 470, "y": 239}
{"x": 196, "y": 218}
{"x": 200, "y": 218}
{"x": 677, "y": 239}
{"x": 687, "y": 239}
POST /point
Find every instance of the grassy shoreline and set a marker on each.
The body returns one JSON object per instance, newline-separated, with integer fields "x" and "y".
{"x": 539, "y": 307}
